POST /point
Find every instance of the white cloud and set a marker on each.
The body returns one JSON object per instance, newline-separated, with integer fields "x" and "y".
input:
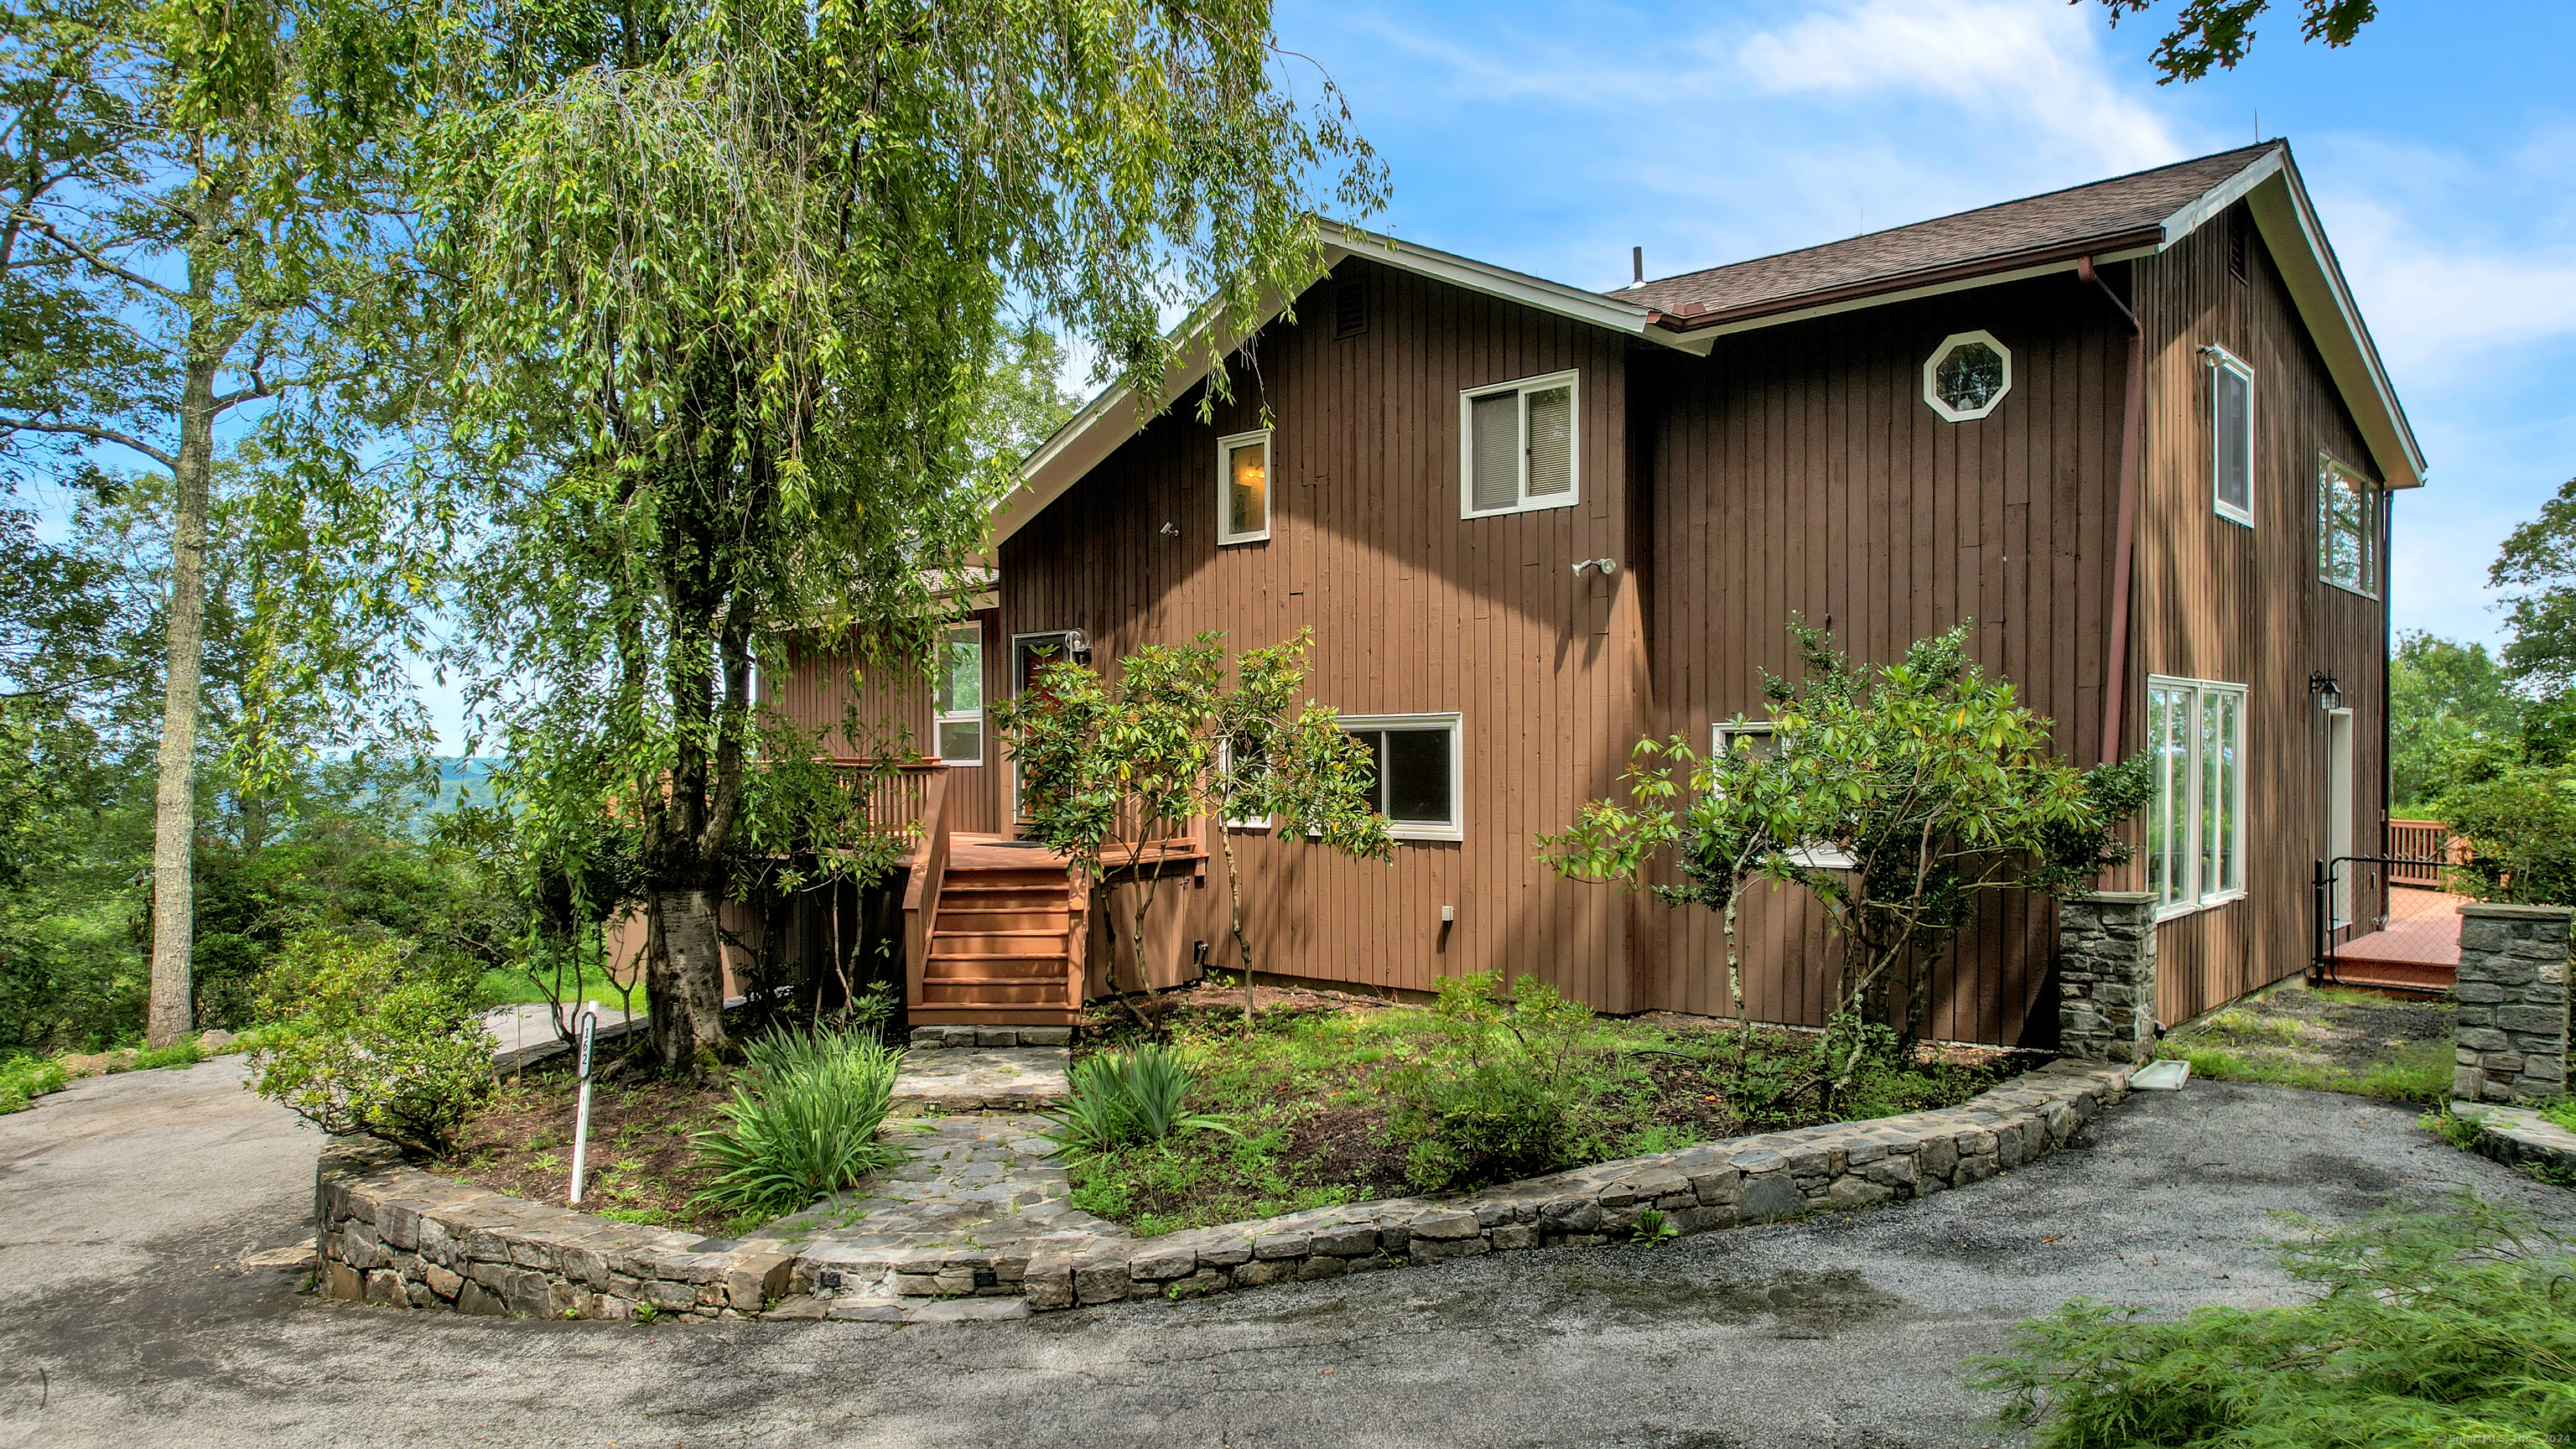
{"x": 2009, "y": 61}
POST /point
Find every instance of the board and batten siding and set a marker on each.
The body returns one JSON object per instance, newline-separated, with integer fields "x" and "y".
{"x": 1414, "y": 610}
{"x": 809, "y": 687}
{"x": 1798, "y": 471}
{"x": 2217, "y": 600}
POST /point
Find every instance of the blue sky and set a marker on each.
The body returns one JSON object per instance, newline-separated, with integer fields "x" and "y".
{"x": 2441, "y": 150}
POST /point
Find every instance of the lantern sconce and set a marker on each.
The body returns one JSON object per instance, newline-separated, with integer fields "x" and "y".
{"x": 2329, "y": 693}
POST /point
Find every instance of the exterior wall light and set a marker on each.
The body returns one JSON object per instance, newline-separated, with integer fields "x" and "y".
{"x": 1077, "y": 645}
{"x": 2329, "y": 693}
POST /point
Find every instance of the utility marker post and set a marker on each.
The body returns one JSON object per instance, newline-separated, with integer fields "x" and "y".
{"x": 587, "y": 1031}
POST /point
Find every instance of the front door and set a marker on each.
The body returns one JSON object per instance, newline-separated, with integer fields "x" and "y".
{"x": 1029, "y": 654}
{"x": 2339, "y": 810}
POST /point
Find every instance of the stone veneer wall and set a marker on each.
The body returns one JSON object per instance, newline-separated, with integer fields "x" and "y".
{"x": 1696, "y": 1189}
{"x": 2106, "y": 976}
{"x": 397, "y": 1235}
{"x": 2512, "y": 1029}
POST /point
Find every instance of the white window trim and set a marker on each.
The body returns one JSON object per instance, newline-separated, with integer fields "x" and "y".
{"x": 1224, "y": 765}
{"x": 1932, "y": 373}
{"x": 1451, "y": 721}
{"x": 1572, "y": 380}
{"x": 1814, "y": 854}
{"x": 1225, "y": 447}
{"x": 2327, "y": 463}
{"x": 2220, "y": 358}
{"x": 2196, "y": 900}
{"x": 959, "y": 716}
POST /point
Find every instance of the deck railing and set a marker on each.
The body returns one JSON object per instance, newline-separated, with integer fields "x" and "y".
{"x": 2413, "y": 843}
{"x": 897, "y": 798}
{"x": 922, "y": 885}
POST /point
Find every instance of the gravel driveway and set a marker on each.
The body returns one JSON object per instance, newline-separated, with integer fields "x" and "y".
{"x": 127, "y": 1203}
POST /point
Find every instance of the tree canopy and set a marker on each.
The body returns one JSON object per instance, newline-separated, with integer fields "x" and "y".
{"x": 2219, "y": 33}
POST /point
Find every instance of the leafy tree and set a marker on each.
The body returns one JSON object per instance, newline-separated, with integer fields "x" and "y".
{"x": 1023, "y": 402}
{"x": 2536, "y": 571}
{"x": 192, "y": 233}
{"x": 2219, "y": 32}
{"x": 2519, "y": 821}
{"x": 2443, "y": 698}
{"x": 1901, "y": 795}
{"x": 726, "y": 280}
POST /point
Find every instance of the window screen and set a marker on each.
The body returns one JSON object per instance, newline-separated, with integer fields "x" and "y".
{"x": 1520, "y": 445}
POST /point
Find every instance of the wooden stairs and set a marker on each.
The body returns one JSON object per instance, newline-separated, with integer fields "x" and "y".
{"x": 1006, "y": 946}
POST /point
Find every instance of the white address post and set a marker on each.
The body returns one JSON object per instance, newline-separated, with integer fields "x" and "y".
{"x": 588, "y": 1031}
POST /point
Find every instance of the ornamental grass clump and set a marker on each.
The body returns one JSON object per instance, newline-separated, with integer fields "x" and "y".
{"x": 2454, "y": 1327}
{"x": 805, "y": 1124}
{"x": 1118, "y": 1099}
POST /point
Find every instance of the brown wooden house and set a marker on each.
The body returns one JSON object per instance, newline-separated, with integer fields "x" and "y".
{"x": 2135, "y": 429}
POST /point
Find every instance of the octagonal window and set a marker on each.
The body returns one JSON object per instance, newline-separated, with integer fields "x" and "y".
{"x": 1967, "y": 376}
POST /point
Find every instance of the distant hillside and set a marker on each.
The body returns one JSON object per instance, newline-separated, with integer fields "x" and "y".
{"x": 463, "y": 780}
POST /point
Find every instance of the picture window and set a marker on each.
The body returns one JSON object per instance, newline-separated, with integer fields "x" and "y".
{"x": 2196, "y": 815}
{"x": 1414, "y": 773}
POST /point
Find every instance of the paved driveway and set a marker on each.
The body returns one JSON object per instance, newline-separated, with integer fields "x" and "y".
{"x": 127, "y": 1202}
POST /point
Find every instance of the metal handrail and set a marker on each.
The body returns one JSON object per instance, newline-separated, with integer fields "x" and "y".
{"x": 2321, "y": 927}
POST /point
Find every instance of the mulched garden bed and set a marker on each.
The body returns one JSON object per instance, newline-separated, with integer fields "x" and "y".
{"x": 1309, "y": 1099}
{"x": 642, "y": 1166}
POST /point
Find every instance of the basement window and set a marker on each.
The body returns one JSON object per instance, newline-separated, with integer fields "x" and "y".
{"x": 2347, "y": 529}
{"x": 1415, "y": 772}
{"x": 2196, "y": 816}
{"x": 1967, "y": 376}
{"x": 1243, "y": 488}
{"x": 2231, "y": 436}
{"x": 1517, "y": 446}
{"x": 957, "y": 697}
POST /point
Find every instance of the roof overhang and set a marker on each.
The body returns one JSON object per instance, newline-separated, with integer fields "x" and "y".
{"x": 1114, "y": 416}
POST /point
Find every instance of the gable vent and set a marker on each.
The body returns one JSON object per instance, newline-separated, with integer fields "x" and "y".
{"x": 1350, "y": 309}
{"x": 2236, "y": 247}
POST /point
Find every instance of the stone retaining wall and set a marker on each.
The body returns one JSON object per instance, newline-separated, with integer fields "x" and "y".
{"x": 2511, "y": 1032}
{"x": 397, "y": 1235}
{"x": 2519, "y": 1138}
{"x": 1696, "y": 1189}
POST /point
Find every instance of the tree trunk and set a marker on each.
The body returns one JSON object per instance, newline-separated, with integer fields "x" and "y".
{"x": 174, "y": 822}
{"x": 684, "y": 958}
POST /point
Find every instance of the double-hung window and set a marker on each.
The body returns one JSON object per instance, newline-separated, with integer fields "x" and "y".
{"x": 957, "y": 696}
{"x": 1243, "y": 488}
{"x": 1414, "y": 769}
{"x": 2231, "y": 436}
{"x": 2347, "y": 529}
{"x": 2196, "y": 818}
{"x": 1517, "y": 446}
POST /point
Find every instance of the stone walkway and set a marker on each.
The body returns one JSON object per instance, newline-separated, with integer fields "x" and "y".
{"x": 975, "y": 1197}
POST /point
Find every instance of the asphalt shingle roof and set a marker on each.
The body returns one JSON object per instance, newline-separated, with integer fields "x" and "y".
{"x": 1881, "y": 260}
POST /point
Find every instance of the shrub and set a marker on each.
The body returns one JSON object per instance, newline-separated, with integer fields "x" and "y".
{"x": 2433, "y": 1328}
{"x": 24, "y": 1079}
{"x": 1118, "y": 1098}
{"x": 1497, "y": 1095}
{"x": 2520, "y": 825}
{"x": 806, "y": 1126}
{"x": 377, "y": 1045}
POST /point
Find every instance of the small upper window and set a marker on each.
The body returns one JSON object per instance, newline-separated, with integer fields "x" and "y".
{"x": 1414, "y": 769}
{"x": 1967, "y": 376}
{"x": 1350, "y": 309}
{"x": 2231, "y": 432}
{"x": 957, "y": 696}
{"x": 1243, "y": 487}
{"x": 1517, "y": 446}
{"x": 2347, "y": 529}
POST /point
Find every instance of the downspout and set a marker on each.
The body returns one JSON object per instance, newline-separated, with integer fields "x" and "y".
{"x": 2387, "y": 652}
{"x": 2115, "y": 665}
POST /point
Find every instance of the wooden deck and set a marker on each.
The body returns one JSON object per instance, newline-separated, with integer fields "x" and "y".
{"x": 2419, "y": 950}
{"x": 998, "y": 929}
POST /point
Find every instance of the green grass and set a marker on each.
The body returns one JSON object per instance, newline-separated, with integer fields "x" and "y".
{"x": 2419, "y": 1072}
{"x": 503, "y": 987}
{"x": 2561, "y": 1113}
{"x": 24, "y": 1079}
{"x": 182, "y": 1053}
